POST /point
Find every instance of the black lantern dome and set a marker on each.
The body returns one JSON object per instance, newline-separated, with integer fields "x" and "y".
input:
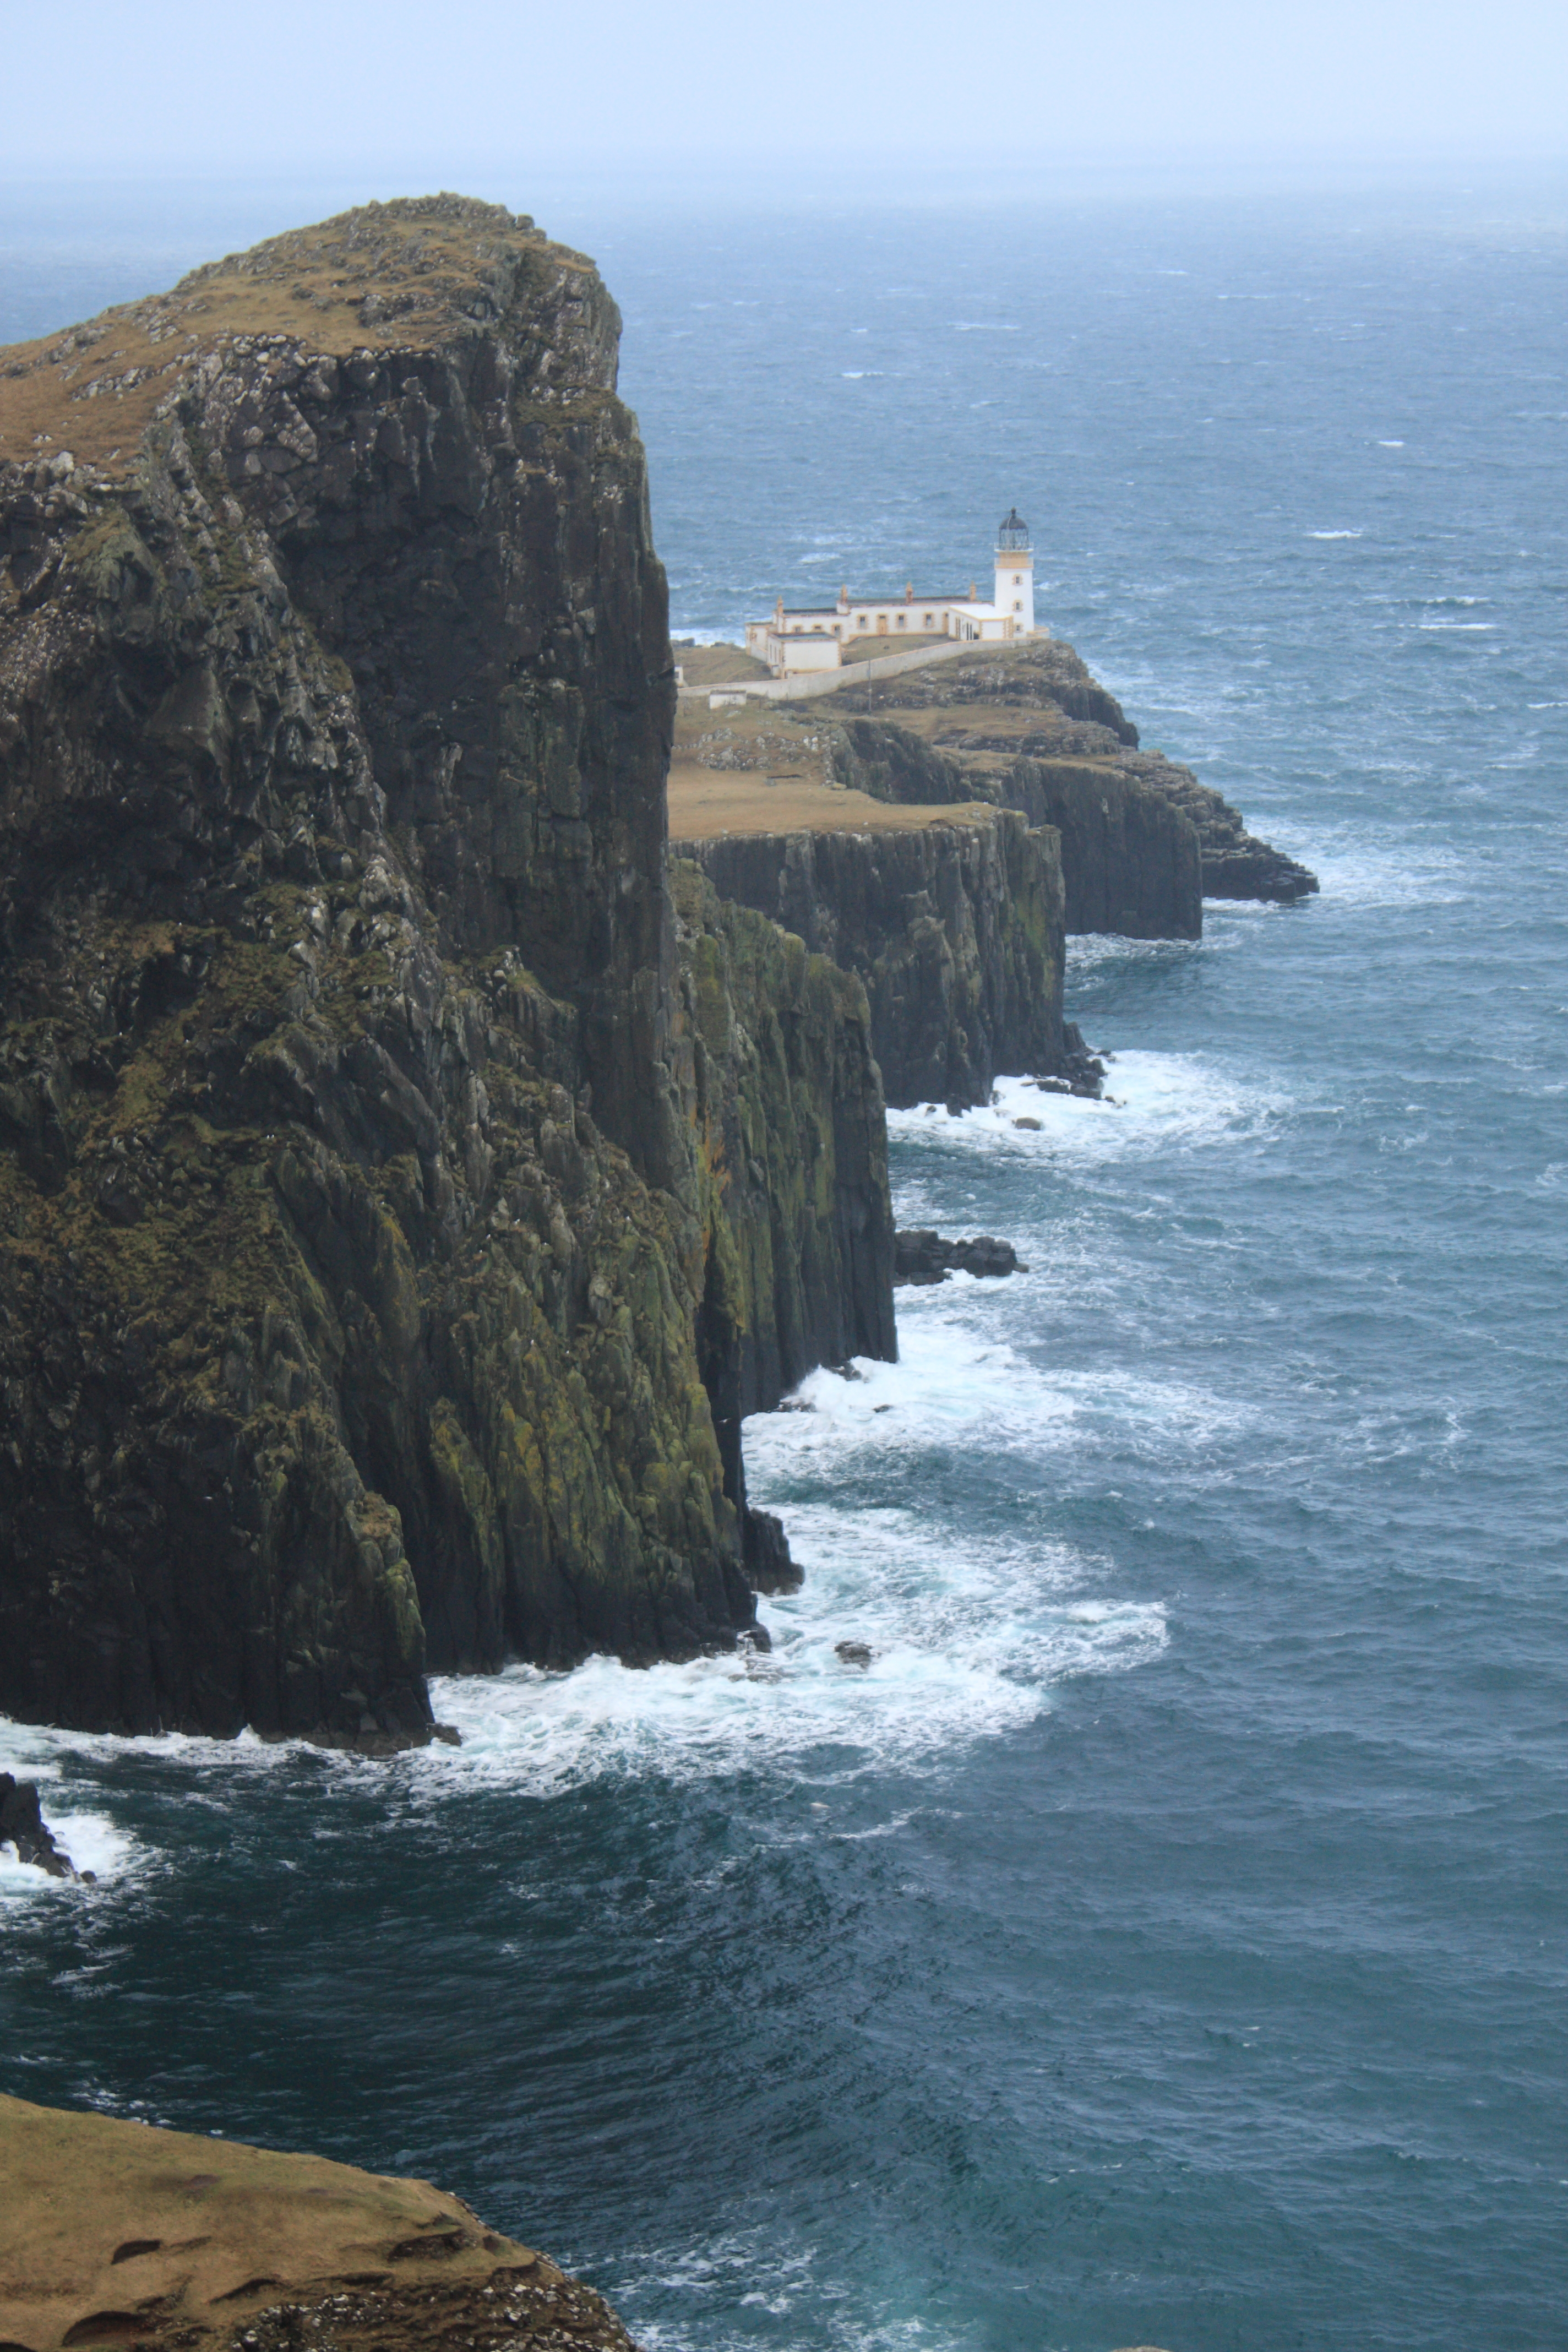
{"x": 1012, "y": 532}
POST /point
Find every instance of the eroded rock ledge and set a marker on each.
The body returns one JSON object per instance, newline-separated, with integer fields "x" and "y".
{"x": 1030, "y": 728}
{"x": 115, "y": 2232}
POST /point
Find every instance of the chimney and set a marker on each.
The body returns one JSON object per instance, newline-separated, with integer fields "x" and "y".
{"x": 909, "y": 592}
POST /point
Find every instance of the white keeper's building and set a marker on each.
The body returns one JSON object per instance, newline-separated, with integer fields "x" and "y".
{"x": 814, "y": 638}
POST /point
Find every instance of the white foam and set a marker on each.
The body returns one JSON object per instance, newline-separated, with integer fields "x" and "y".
{"x": 93, "y": 1842}
{"x": 1086, "y": 952}
{"x": 770, "y": 2269}
{"x": 1153, "y": 1101}
{"x": 953, "y": 1379}
{"x": 1360, "y": 866}
{"x": 966, "y": 1641}
{"x": 1334, "y": 534}
{"x": 968, "y": 1631}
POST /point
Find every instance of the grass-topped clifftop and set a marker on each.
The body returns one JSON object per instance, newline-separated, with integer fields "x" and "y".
{"x": 409, "y": 276}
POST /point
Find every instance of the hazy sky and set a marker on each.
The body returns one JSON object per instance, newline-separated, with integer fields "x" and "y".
{"x": 448, "y": 88}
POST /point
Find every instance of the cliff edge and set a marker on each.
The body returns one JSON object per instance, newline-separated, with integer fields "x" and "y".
{"x": 1028, "y": 727}
{"x": 119, "y": 2233}
{"x": 358, "y": 1217}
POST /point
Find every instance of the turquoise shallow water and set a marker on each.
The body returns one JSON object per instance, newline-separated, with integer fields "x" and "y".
{"x": 1164, "y": 1940}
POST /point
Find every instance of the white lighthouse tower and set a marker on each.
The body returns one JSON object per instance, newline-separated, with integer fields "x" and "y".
{"x": 1015, "y": 573}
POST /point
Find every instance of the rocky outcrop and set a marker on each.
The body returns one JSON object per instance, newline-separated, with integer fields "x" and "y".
{"x": 1041, "y": 680}
{"x": 24, "y": 1829}
{"x": 922, "y": 1257}
{"x": 1236, "y": 864}
{"x": 357, "y": 1210}
{"x": 1131, "y": 861}
{"x": 1029, "y": 728}
{"x": 954, "y": 929}
{"x": 123, "y": 2232}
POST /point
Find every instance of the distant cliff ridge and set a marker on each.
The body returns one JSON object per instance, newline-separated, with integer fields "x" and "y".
{"x": 366, "y": 1206}
{"x": 1028, "y": 727}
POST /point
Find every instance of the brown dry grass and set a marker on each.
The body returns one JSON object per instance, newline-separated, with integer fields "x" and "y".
{"x": 92, "y": 389}
{"x": 705, "y": 804}
{"x": 717, "y": 665}
{"x": 898, "y": 641}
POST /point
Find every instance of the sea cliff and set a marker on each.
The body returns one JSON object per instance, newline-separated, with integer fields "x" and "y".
{"x": 956, "y": 930}
{"x": 1029, "y": 727}
{"x": 367, "y": 1298}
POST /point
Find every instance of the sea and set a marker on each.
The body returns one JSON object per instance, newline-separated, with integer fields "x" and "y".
{"x": 1161, "y": 1941}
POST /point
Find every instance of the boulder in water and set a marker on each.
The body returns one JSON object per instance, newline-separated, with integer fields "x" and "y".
{"x": 21, "y": 1825}
{"x": 922, "y": 1257}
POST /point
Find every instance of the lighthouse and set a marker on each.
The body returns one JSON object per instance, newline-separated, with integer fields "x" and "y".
{"x": 815, "y": 637}
{"x": 1015, "y": 573}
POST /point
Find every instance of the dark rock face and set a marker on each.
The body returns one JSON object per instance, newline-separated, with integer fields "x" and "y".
{"x": 956, "y": 930}
{"x": 769, "y": 1567}
{"x": 356, "y": 1216}
{"x": 21, "y": 1825}
{"x": 773, "y": 1057}
{"x": 1236, "y": 864}
{"x": 1132, "y": 862}
{"x": 922, "y": 1257}
{"x": 1031, "y": 729}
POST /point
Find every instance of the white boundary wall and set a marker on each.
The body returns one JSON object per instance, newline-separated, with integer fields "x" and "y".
{"x": 797, "y": 689}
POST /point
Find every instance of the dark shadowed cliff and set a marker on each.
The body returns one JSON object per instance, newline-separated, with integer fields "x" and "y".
{"x": 360, "y": 1200}
{"x": 956, "y": 930}
{"x": 1028, "y": 727}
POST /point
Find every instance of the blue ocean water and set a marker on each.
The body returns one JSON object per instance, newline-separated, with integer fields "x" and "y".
{"x": 1163, "y": 1941}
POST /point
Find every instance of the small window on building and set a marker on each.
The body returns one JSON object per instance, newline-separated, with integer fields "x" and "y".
{"x": 1017, "y": 579}
{"x": 901, "y": 620}
{"x": 926, "y": 621}
{"x": 1017, "y": 604}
